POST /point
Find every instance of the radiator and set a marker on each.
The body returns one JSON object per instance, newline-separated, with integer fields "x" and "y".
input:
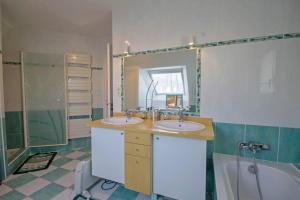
{"x": 83, "y": 177}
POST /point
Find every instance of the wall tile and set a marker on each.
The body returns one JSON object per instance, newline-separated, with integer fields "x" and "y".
{"x": 263, "y": 134}
{"x": 2, "y": 172}
{"x": 97, "y": 113}
{"x": 227, "y": 137}
{"x": 2, "y": 148}
{"x": 209, "y": 149}
{"x": 289, "y": 145}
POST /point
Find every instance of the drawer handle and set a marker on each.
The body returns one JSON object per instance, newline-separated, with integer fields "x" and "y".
{"x": 137, "y": 150}
{"x": 137, "y": 138}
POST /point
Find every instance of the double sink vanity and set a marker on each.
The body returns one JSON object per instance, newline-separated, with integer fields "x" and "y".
{"x": 166, "y": 157}
{"x": 161, "y": 150}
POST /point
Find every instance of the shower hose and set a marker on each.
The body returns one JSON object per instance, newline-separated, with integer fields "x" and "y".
{"x": 255, "y": 172}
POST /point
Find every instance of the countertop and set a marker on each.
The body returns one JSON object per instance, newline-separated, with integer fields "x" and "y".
{"x": 147, "y": 127}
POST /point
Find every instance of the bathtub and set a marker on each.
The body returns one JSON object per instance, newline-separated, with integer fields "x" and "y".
{"x": 278, "y": 181}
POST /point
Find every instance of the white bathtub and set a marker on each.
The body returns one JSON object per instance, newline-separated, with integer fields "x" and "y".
{"x": 278, "y": 181}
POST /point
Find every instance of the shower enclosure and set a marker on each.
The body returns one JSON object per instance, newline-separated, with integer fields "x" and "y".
{"x": 44, "y": 97}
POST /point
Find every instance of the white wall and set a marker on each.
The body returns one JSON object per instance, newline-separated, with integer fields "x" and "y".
{"x": 45, "y": 41}
{"x": 255, "y": 83}
{"x": 231, "y": 75}
{"x": 12, "y": 88}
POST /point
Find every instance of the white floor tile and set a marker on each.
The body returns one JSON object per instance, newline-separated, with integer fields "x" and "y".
{"x": 4, "y": 189}
{"x": 43, "y": 172}
{"x": 66, "y": 180}
{"x": 70, "y": 165}
{"x": 57, "y": 157}
{"x": 12, "y": 176}
{"x": 75, "y": 154}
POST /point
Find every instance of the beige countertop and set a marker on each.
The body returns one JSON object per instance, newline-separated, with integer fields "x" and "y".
{"x": 147, "y": 127}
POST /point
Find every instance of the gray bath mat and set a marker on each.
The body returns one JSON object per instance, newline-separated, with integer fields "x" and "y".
{"x": 36, "y": 162}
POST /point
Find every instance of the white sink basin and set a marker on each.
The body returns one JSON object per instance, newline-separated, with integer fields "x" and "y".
{"x": 122, "y": 120}
{"x": 175, "y": 125}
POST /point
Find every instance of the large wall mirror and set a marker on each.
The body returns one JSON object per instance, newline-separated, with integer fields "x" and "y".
{"x": 165, "y": 80}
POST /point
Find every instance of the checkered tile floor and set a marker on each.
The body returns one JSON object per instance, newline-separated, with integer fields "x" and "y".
{"x": 57, "y": 182}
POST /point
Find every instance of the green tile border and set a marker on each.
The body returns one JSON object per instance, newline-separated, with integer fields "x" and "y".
{"x": 97, "y": 113}
{"x": 122, "y": 82}
{"x": 198, "y": 47}
{"x": 214, "y": 44}
{"x": 11, "y": 63}
{"x": 198, "y": 81}
{"x": 79, "y": 117}
{"x": 282, "y": 141}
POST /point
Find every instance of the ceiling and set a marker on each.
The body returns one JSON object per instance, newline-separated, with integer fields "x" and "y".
{"x": 85, "y": 17}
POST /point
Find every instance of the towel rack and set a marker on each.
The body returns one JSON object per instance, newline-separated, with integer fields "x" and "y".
{"x": 79, "y": 95}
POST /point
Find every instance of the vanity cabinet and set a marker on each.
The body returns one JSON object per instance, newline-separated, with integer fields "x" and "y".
{"x": 179, "y": 167}
{"x": 138, "y": 174}
{"x": 108, "y": 154}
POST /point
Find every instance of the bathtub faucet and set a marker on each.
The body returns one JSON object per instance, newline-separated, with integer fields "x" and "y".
{"x": 253, "y": 146}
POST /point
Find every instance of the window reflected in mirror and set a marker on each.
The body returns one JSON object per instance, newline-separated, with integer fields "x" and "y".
{"x": 174, "y": 101}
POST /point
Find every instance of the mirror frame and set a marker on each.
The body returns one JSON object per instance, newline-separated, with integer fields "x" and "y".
{"x": 198, "y": 76}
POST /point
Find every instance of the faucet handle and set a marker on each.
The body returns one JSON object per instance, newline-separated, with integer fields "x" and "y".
{"x": 265, "y": 147}
{"x": 243, "y": 145}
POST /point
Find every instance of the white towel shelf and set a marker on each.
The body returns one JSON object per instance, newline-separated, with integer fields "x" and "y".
{"x": 79, "y": 72}
{"x": 79, "y": 86}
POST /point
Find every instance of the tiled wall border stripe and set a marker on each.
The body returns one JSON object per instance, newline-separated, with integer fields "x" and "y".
{"x": 214, "y": 44}
{"x": 122, "y": 82}
{"x": 280, "y": 139}
{"x": 11, "y": 63}
{"x": 79, "y": 117}
{"x": 198, "y": 81}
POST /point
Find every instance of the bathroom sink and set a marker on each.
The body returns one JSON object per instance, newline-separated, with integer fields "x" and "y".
{"x": 175, "y": 125}
{"x": 122, "y": 120}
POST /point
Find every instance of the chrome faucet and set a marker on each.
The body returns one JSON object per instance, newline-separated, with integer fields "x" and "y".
{"x": 128, "y": 114}
{"x": 181, "y": 114}
{"x": 253, "y": 146}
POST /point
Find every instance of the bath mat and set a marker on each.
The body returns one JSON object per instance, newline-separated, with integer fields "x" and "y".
{"x": 36, "y": 162}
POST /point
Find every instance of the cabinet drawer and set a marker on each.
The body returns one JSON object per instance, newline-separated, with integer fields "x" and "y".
{"x": 138, "y": 138}
{"x": 138, "y": 174}
{"x": 138, "y": 150}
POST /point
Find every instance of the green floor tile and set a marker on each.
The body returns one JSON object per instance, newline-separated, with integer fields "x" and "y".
{"x": 61, "y": 161}
{"x": 48, "y": 192}
{"x": 55, "y": 174}
{"x": 21, "y": 180}
{"x": 123, "y": 194}
{"x": 13, "y": 195}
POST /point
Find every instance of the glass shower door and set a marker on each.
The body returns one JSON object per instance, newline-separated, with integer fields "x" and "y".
{"x": 44, "y": 99}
